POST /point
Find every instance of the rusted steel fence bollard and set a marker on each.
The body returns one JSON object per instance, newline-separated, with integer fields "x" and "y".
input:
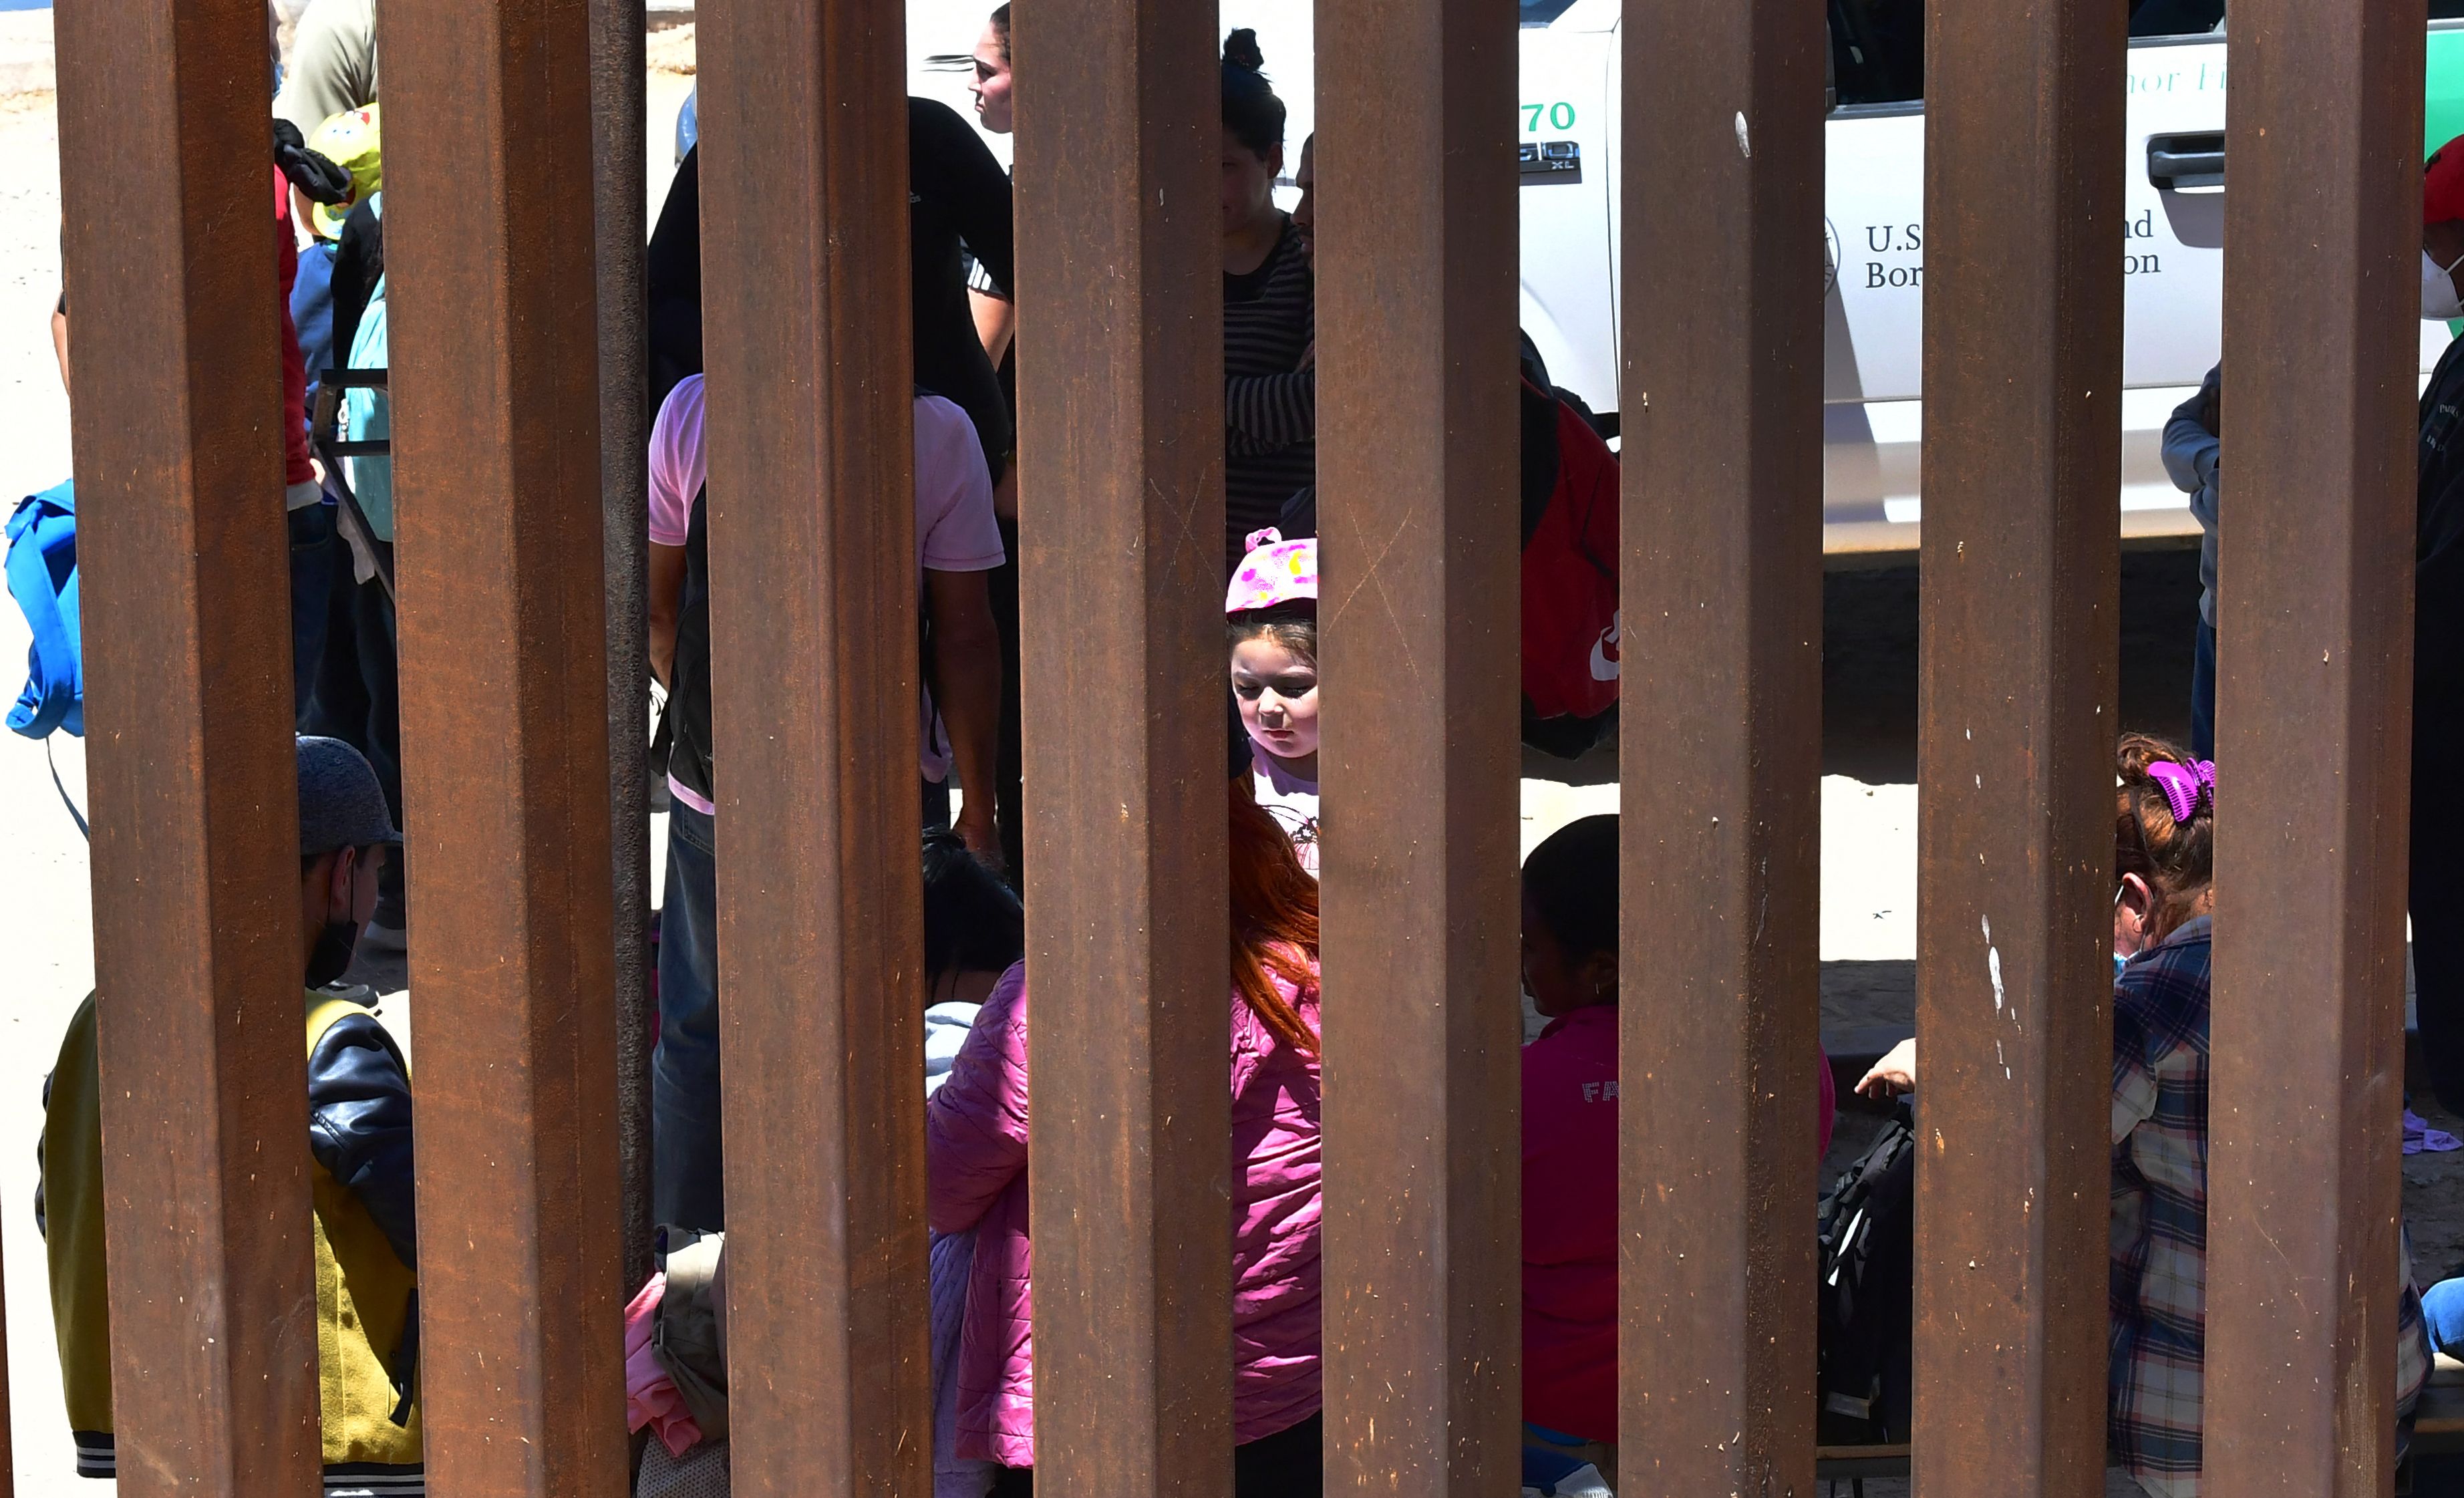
{"x": 1722, "y": 735}
{"x": 1416, "y": 425}
{"x": 812, "y": 559}
{"x": 504, "y": 696}
{"x": 2018, "y": 663}
{"x": 1121, "y": 523}
{"x": 171, "y": 216}
{"x": 2321, "y": 235}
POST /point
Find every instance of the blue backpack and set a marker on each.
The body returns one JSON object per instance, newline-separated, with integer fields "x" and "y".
{"x": 42, "y": 574}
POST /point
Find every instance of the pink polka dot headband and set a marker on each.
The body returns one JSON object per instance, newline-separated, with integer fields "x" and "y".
{"x": 1275, "y": 571}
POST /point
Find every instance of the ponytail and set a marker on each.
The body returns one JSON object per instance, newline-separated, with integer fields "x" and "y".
{"x": 1251, "y": 111}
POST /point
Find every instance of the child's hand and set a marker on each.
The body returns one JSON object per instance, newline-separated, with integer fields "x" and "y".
{"x": 1894, "y": 1073}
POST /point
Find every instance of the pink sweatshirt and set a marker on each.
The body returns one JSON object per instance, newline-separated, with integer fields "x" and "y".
{"x": 975, "y": 1133}
{"x": 1569, "y": 1208}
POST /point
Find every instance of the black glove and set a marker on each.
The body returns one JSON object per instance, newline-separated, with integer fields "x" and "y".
{"x": 320, "y": 179}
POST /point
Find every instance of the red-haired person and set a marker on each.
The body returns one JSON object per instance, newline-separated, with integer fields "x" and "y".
{"x": 2164, "y": 877}
{"x": 976, "y": 1138}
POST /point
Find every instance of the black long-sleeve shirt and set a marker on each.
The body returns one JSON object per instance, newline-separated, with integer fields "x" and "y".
{"x": 959, "y": 202}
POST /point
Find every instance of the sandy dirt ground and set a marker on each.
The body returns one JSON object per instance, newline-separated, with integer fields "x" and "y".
{"x": 1868, "y": 792}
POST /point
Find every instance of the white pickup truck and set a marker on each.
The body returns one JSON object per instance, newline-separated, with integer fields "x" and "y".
{"x": 1873, "y": 202}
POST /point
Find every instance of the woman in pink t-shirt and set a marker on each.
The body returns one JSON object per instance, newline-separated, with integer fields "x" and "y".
{"x": 1570, "y": 1133}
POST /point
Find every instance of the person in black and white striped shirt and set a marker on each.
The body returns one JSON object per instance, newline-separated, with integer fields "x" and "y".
{"x": 1269, "y": 315}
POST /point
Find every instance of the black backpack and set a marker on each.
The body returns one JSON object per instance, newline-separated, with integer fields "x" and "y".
{"x": 1865, "y": 1263}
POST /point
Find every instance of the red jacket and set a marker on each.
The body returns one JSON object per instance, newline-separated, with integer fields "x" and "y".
{"x": 1570, "y": 1234}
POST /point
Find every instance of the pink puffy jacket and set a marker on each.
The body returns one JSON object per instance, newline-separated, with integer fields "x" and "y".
{"x": 976, "y": 1130}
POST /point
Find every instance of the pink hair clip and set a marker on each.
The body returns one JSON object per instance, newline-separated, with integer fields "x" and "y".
{"x": 2186, "y": 785}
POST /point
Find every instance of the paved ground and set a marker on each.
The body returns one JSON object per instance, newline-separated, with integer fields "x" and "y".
{"x": 1868, "y": 800}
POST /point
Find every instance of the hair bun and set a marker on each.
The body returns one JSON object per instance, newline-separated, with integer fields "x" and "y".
{"x": 1241, "y": 50}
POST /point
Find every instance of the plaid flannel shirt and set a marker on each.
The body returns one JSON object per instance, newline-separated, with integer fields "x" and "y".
{"x": 2160, "y": 1220}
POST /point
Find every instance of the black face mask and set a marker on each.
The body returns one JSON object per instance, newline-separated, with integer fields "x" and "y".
{"x": 331, "y": 958}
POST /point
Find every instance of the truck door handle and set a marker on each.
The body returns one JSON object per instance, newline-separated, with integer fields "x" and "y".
{"x": 1552, "y": 163}
{"x": 2191, "y": 159}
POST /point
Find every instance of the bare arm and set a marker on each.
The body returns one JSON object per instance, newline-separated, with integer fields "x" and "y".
{"x": 967, "y": 676}
{"x": 996, "y": 322}
{"x": 666, "y": 603}
{"x": 60, "y": 340}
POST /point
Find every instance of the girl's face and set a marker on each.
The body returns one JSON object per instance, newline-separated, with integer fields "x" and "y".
{"x": 1248, "y": 184}
{"x": 991, "y": 85}
{"x": 1278, "y": 696}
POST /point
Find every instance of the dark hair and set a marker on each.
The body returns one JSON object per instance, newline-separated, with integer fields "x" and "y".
{"x": 1290, "y": 626}
{"x": 1251, "y": 111}
{"x": 1001, "y": 29}
{"x": 1571, "y": 883}
{"x": 972, "y": 921}
{"x": 2178, "y": 859}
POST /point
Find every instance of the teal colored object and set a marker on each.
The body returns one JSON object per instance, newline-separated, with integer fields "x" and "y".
{"x": 2442, "y": 115}
{"x": 367, "y": 416}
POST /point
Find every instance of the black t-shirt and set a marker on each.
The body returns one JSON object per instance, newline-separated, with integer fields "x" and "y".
{"x": 958, "y": 202}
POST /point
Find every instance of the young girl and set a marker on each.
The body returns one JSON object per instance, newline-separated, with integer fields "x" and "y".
{"x": 1570, "y": 1143}
{"x": 1273, "y": 607}
{"x": 975, "y": 1142}
{"x": 2163, "y": 875}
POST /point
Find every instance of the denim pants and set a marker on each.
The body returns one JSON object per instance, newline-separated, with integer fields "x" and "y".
{"x": 688, "y": 1185}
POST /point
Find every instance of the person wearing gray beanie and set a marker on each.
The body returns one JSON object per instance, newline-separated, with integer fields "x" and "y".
{"x": 359, "y": 1143}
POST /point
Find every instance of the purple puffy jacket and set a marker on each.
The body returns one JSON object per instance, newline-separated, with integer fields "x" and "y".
{"x": 976, "y": 1129}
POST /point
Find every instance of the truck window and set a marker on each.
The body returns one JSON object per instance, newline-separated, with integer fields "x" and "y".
{"x": 2175, "y": 18}
{"x": 1877, "y": 50}
{"x": 1540, "y": 12}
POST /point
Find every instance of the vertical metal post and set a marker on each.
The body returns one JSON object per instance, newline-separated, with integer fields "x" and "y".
{"x": 1121, "y": 463}
{"x": 2321, "y": 233}
{"x": 495, "y": 384}
{"x": 1415, "y": 257}
{"x": 171, "y": 217}
{"x": 2019, "y": 647}
{"x": 617, "y": 35}
{"x": 1723, "y": 695}
{"x": 813, "y": 584}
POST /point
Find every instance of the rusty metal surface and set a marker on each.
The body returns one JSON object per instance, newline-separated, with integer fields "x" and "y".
{"x": 813, "y": 585}
{"x": 1723, "y": 701}
{"x": 188, "y": 659}
{"x": 2321, "y": 235}
{"x": 2018, "y": 644}
{"x": 1120, "y": 451}
{"x": 170, "y": 219}
{"x": 1418, "y": 485}
{"x": 504, "y": 705}
{"x": 617, "y": 106}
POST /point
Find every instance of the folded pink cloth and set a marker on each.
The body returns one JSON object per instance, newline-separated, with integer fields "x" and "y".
{"x": 651, "y": 1396}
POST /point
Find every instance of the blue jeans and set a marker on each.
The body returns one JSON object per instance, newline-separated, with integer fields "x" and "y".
{"x": 688, "y": 1183}
{"x": 2203, "y": 695}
